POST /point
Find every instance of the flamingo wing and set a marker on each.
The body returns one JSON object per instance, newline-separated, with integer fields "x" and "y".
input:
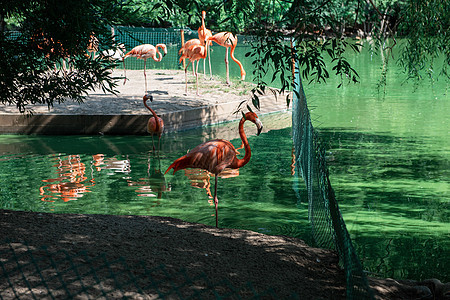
{"x": 196, "y": 52}
{"x": 213, "y": 156}
{"x": 189, "y": 44}
{"x": 224, "y": 39}
{"x": 142, "y": 51}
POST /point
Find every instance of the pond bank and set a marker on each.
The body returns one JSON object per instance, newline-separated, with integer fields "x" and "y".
{"x": 125, "y": 113}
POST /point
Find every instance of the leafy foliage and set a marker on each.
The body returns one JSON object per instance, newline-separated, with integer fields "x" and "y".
{"x": 317, "y": 34}
{"x": 308, "y": 33}
{"x": 426, "y": 25}
{"x": 53, "y": 33}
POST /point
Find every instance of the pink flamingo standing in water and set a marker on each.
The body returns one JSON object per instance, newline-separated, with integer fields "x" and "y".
{"x": 155, "y": 125}
{"x": 216, "y": 155}
{"x": 146, "y": 51}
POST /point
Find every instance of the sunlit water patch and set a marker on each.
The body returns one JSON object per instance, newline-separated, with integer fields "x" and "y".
{"x": 389, "y": 160}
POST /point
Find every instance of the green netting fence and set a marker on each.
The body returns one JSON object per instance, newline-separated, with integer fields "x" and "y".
{"x": 131, "y": 37}
{"x": 135, "y": 36}
{"x": 328, "y": 226}
{"x": 171, "y": 37}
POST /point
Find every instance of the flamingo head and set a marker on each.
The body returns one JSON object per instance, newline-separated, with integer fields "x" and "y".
{"x": 148, "y": 97}
{"x": 252, "y": 117}
{"x": 203, "y": 14}
{"x": 163, "y": 47}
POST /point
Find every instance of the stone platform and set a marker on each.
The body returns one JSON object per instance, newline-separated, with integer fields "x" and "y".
{"x": 125, "y": 113}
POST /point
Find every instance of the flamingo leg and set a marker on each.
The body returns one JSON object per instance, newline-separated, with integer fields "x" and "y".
{"x": 145, "y": 75}
{"x": 185, "y": 77}
{"x": 226, "y": 64}
{"x": 204, "y": 68}
{"x": 241, "y": 147}
{"x": 153, "y": 143}
{"x": 216, "y": 201}
{"x": 209, "y": 59}
{"x": 159, "y": 143}
{"x": 196, "y": 77}
{"x": 196, "y": 83}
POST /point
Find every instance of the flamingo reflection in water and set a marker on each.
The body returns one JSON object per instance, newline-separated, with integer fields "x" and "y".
{"x": 112, "y": 163}
{"x": 156, "y": 179}
{"x": 155, "y": 183}
{"x": 201, "y": 179}
{"x": 117, "y": 165}
{"x": 71, "y": 183}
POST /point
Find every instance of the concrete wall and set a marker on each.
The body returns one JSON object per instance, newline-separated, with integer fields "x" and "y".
{"x": 59, "y": 124}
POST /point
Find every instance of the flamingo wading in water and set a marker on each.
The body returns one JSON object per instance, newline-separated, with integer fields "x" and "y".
{"x": 216, "y": 155}
{"x": 228, "y": 40}
{"x": 146, "y": 51}
{"x": 155, "y": 125}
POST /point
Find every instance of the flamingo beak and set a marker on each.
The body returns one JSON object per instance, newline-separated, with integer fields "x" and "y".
{"x": 148, "y": 97}
{"x": 259, "y": 125}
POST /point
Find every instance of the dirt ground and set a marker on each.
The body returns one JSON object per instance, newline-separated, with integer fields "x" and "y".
{"x": 168, "y": 90}
{"x": 196, "y": 258}
{"x": 167, "y": 257}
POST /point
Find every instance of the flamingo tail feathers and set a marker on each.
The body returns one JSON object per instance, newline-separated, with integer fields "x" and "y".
{"x": 131, "y": 52}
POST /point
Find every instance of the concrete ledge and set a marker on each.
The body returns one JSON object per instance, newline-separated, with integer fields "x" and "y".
{"x": 125, "y": 114}
{"x": 62, "y": 124}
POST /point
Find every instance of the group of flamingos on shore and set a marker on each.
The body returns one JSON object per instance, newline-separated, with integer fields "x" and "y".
{"x": 193, "y": 50}
{"x": 215, "y": 155}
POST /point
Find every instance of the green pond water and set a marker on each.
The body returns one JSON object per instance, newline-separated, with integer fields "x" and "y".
{"x": 389, "y": 160}
{"x": 388, "y": 157}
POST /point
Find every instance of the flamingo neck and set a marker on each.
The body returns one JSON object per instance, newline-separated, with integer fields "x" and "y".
{"x": 237, "y": 61}
{"x": 158, "y": 57}
{"x": 248, "y": 153}
{"x": 154, "y": 115}
{"x": 203, "y": 22}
